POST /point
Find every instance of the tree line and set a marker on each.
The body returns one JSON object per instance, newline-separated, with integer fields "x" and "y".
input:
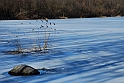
{"x": 38, "y": 9}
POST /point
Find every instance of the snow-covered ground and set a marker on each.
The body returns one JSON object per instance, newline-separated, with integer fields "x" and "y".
{"x": 83, "y": 50}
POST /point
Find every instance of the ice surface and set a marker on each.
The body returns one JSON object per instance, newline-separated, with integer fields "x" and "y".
{"x": 82, "y": 50}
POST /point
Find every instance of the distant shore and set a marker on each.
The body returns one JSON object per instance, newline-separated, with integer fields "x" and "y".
{"x": 59, "y": 9}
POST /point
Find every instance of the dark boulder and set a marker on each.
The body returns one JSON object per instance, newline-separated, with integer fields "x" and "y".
{"x": 23, "y": 70}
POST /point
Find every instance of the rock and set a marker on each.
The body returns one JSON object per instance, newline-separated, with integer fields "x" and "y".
{"x": 23, "y": 70}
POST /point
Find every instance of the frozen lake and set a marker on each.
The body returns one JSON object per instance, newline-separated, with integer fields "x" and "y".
{"x": 83, "y": 50}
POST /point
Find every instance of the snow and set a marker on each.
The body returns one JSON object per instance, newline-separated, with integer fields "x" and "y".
{"x": 82, "y": 50}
